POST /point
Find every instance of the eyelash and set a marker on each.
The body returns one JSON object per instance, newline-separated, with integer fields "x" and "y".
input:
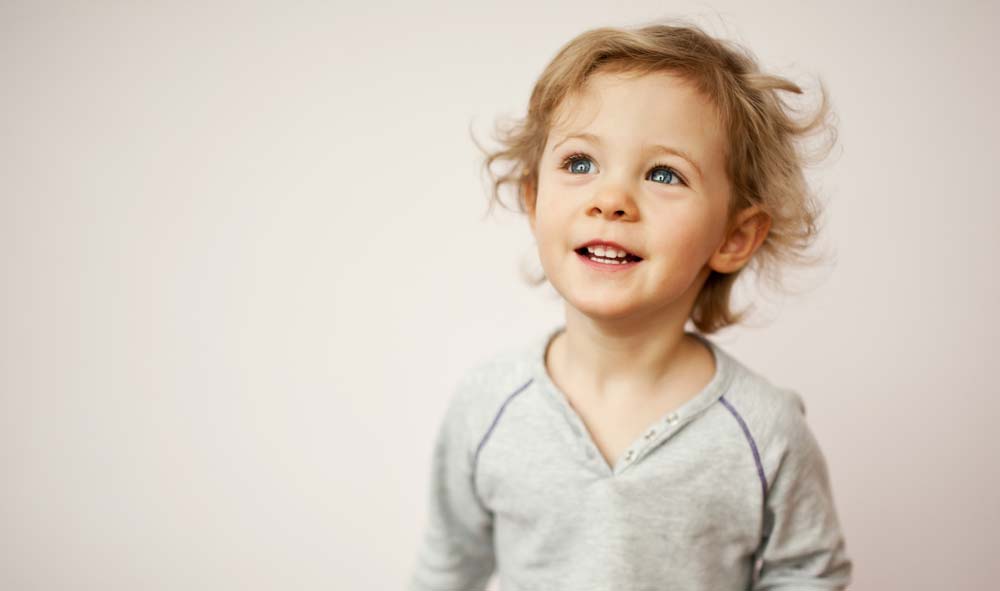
{"x": 581, "y": 155}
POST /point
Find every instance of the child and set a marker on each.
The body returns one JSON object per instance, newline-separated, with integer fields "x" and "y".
{"x": 618, "y": 451}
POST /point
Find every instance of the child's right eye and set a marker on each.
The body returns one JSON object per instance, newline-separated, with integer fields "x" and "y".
{"x": 573, "y": 161}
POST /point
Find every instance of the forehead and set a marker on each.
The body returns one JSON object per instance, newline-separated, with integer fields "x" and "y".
{"x": 655, "y": 108}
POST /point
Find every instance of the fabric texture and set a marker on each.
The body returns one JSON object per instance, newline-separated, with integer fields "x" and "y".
{"x": 729, "y": 491}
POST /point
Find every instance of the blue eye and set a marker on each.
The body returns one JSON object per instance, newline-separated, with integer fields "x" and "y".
{"x": 666, "y": 171}
{"x": 573, "y": 162}
{"x": 578, "y": 164}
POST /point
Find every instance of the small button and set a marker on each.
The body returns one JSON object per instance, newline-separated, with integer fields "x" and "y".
{"x": 672, "y": 418}
{"x": 628, "y": 455}
{"x": 649, "y": 434}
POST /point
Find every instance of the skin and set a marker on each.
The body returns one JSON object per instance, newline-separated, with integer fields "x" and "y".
{"x": 624, "y": 332}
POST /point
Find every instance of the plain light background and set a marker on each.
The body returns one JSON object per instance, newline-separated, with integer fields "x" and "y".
{"x": 244, "y": 262}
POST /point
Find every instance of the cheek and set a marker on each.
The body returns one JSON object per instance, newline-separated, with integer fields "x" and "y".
{"x": 547, "y": 236}
{"x": 686, "y": 241}
{"x": 550, "y": 224}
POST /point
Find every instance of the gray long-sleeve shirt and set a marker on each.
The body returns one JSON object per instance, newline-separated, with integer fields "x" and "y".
{"x": 728, "y": 492}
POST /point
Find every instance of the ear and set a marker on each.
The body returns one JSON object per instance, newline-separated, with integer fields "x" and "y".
{"x": 744, "y": 237}
{"x": 530, "y": 197}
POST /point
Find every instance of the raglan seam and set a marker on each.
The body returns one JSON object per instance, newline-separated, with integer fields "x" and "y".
{"x": 758, "y": 462}
{"x": 765, "y": 527}
{"x": 489, "y": 431}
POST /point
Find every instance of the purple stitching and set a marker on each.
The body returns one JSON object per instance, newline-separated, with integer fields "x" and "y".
{"x": 753, "y": 444}
{"x": 496, "y": 419}
{"x": 758, "y": 560}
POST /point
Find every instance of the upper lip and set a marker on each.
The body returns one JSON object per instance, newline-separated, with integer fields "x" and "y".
{"x": 603, "y": 242}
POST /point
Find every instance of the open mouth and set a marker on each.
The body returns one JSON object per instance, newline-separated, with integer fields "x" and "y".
{"x": 608, "y": 259}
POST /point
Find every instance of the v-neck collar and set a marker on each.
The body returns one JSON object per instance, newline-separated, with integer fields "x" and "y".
{"x": 655, "y": 433}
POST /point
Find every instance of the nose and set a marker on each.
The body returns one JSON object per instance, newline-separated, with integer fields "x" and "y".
{"x": 613, "y": 202}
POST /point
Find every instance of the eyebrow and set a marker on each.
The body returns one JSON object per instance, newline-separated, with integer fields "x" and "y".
{"x": 658, "y": 147}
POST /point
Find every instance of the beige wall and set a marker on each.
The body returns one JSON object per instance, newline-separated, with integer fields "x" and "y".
{"x": 242, "y": 265}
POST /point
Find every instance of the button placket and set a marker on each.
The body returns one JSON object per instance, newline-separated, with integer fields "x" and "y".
{"x": 648, "y": 437}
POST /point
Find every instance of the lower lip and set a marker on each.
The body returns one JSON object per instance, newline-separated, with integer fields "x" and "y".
{"x": 608, "y": 267}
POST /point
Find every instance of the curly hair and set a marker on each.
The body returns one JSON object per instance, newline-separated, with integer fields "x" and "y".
{"x": 765, "y": 154}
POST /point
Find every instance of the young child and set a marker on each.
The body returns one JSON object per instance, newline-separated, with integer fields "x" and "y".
{"x": 617, "y": 451}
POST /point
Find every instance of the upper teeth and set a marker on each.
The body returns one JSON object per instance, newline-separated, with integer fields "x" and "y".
{"x": 606, "y": 251}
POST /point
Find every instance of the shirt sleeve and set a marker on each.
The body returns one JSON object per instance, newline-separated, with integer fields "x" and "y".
{"x": 456, "y": 552}
{"x": 805, "y": 549}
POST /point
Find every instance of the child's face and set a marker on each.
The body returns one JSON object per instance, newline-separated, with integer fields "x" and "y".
{"x": 617, "y": 191}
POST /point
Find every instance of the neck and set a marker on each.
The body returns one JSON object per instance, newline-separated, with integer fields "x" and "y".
{"x": 623, "y": 359}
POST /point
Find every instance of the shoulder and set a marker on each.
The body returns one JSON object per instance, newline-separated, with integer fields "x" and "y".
{"x": 772, "y": 413}
{"x": 775, "y": 420}
{"x": 482, "y": 390}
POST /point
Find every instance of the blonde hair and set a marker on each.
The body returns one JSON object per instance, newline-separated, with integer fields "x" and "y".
{"x": 763, "y": 159}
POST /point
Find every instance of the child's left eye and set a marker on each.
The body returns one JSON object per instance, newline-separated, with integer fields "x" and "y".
{"x": 661, "y": 171}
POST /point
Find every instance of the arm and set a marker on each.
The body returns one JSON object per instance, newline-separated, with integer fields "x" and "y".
{"x": 457, "y": 548}
{"x": 806, "y": 548}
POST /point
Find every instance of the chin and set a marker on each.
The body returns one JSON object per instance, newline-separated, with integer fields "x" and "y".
{"x": 602, "y": 310}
